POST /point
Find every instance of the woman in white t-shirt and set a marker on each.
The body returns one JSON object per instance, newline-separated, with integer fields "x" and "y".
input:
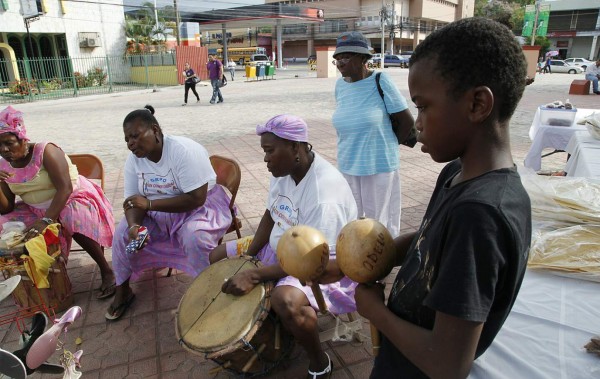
{"x": 170, "y": 188}
{"x": 305, "y": 190}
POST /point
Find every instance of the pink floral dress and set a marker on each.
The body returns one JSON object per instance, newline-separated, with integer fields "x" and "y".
{"x": 87, "y": 212}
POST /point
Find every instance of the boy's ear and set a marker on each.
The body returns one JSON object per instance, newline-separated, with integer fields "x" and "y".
{"x": 482, "y": 104}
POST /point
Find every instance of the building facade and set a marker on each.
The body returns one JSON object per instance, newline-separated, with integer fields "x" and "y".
{"x": 406, "y": 22}
{"x": 574, "y": 28}
{"x": 57, "y": 29}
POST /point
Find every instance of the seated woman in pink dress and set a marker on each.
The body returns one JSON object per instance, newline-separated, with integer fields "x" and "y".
{"x": 170, "y": 188}
{"x": 51, "y": 190}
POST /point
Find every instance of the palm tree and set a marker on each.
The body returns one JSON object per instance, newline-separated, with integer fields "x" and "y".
{"x": 149, "y": 28}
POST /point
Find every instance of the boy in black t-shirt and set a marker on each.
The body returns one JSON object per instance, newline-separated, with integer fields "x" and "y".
{"x": 462, "y": 270}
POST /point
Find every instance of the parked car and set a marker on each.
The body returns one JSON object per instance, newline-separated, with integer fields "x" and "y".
{"x": 391, "y": 61}
{"x": 581, "y": 62}
{"x": 259, "y": 59}
{"x": 406, "y": 55}
{"x": 562, "y": 66}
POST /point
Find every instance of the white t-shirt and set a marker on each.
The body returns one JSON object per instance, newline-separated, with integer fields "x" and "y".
{"x": 183, "y": 167}
{"x": 322, "y": 200}
{"x": 592, "y": 69}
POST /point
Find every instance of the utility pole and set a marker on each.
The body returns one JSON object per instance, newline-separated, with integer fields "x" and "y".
{"x": 393, "y": 28}
{"x": 535, "y": 21}
{"x": 155, "y": 14}
{"x": 177, "y": 21}
{"x": 383, "y": 17}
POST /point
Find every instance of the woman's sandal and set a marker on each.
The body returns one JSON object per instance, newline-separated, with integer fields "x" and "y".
{"x": 327, "y": 370}
{"x": 107, "y": 291}
{"x": 118, "y": 311}
{"x": 46, "y": 344}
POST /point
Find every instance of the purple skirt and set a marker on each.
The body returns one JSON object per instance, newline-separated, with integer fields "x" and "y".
{"x": 176, "y": 240}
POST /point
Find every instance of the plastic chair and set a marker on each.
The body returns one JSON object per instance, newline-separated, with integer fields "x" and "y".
{"x": 229, "y": 176}
{"x": 89, "y": 166}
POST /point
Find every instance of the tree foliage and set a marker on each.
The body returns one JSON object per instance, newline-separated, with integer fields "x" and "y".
{"x": 508, "y": 12}
{"x": 147, "y": 28}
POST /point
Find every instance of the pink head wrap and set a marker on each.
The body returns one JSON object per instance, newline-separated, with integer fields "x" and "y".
{"x": 285, "y": 126}
{"x": 11, "y": 121}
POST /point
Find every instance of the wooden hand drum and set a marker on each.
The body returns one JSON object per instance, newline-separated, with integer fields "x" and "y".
{"x": 238, "y": 332}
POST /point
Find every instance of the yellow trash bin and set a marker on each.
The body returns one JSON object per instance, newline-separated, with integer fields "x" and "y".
{"x": 250, "y": 71}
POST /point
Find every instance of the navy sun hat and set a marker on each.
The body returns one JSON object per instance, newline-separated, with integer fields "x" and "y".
{"x": 352, "y": 42}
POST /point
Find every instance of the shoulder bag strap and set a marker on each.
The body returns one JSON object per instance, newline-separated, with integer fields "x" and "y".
{"x": 377, "y": 76}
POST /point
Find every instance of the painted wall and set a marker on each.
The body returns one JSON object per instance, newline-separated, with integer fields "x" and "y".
{"x": 581, "y": 46}
{"x": 104, "y": 17}
{"x": 162, "y": 75}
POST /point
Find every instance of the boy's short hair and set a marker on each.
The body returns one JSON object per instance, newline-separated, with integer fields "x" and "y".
{"x": 478, "y": 52}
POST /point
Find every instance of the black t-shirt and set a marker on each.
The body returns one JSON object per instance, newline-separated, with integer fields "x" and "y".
{"x": 189, "y": 75}
{"x": 467, "y": 260}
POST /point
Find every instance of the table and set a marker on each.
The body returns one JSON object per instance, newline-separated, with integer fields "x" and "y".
{"x": 585, "y": 155}
{"x": 557, "y": 137}
{"x": 544, "y": 334}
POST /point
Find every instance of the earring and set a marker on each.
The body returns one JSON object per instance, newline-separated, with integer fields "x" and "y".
{"x": 297, "y": 159}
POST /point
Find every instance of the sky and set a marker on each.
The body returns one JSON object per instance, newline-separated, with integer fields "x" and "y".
{"x": 197, "y": 5}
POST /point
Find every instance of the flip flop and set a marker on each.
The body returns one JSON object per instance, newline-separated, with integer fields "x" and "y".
{"x": 120, "y": 309}
{"x": 107, "y": 292}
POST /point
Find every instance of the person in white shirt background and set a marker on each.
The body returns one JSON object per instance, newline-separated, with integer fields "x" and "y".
{"x": 592, "y": 73}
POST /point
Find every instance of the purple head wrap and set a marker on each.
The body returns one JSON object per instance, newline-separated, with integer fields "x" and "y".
{"x": 285, "y": 126}
{"x": 11, "y": 121}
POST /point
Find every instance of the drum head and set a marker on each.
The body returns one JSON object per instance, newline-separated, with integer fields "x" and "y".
{"x": 209, "y": 320}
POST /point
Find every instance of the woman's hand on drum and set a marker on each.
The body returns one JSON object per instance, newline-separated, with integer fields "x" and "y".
{"x": 241, "y": 283}
{"x": 136, "y": 201}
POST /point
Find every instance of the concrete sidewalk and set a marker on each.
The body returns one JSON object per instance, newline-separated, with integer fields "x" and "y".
{"x": 143, "y": 343}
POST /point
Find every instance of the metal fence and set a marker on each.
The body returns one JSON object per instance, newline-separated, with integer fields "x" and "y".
{"x": 25, "y": 80}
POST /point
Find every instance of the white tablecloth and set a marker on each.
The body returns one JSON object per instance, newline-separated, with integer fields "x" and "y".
{"x": 585, "y": 155}
{"x": 543, "y": 337}
{"x": 557, "y": 137}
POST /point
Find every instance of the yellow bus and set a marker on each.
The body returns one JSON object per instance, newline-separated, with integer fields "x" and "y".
{"x": 241, "y": 55}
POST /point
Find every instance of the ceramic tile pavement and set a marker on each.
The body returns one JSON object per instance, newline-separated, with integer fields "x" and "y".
{"x": 143, "y": 343}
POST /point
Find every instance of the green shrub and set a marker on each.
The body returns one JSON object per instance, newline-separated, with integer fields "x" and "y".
{"x": 96, "y": 77}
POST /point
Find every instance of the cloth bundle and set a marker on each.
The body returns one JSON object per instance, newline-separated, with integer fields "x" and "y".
{"x": 566, "y": 225}
{"x": 43, "y": 250}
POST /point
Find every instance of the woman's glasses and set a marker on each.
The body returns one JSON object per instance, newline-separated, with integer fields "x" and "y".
{"x": 337, "y": 62}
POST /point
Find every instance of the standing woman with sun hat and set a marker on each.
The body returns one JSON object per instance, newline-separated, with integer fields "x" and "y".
{"x": 368, "y": 153}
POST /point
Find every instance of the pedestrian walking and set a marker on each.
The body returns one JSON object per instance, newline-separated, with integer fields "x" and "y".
{"x": 190, "y": 83}
{"x": 231, "y": 67}
{"x": 548, "y": 66}
{"x": 215, "y": 73}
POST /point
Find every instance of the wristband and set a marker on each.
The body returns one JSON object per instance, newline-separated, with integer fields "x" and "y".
{"x": 232, "y": 249}
{"x": 133, "y": 226}
{"x": 48, "y": 220}
{"x": 149, "y": 208}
